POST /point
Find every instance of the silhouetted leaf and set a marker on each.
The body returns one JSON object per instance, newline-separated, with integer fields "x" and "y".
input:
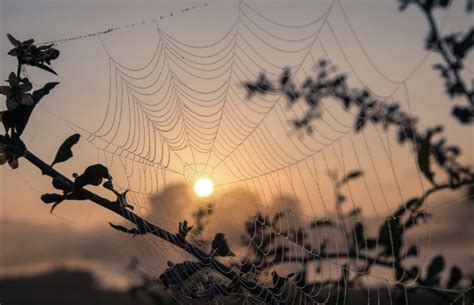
{"x": 18, "y": 117}
{"x": 278, "y": 216}
{"x": 56, "y": 199}
{"x": 440, "y": 3}
{"x": 399, "y": 273}
{"x": 469, "y": 5}
{"x": 28, "y": 53}
{"x": 61, "y": 184}
{"x": 64, "y": 152}
{"x": 11, "y": 149}
{"x": 45, "y": 90}
{"x": 403, "y": 4}
{"x": 220, "y": 246}
{"x": 412, "y": 251}
{"x": 455, "y": 277}
{"x": 352, "y": 175}
{"x": 463, "y": 114}
{"x": 416, "y": 217}
{"x": 354, "y": 212}
{"x": 285, "y": 77}
{"x": 360, "y": 120}
{"x": 246, "y": 267}
{"x": 13, "y": 40}
{"x": 320, "y": 223}
{"x": 261, "y": 86}
{"x": 108, "y": 185}
{"x": 184, "y": 229}
{"x": 435, "y": 267}
{"x": 461, "y": 47}
{"x": 424, "y": 157}
{"x": 280, "y": 252}
{"x": 51, "y": 197}
{"x": 371, "y": 243}
{"x": 390, "y": 237}
{"x": 278, "y": 281}
{"x": 413, "y": 204}
{"x": 132, "y": 231}
{"x": 93, "y": 175}
{"x": 43, "y": 67}
{"x": 358, "y": 235}
{"x": 177, "y": 274}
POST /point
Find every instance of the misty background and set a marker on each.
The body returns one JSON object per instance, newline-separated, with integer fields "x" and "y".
{"x": 77, "y": 235}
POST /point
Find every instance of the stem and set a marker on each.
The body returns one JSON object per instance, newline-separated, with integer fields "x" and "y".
{"x": 18, "y": 71}
{"x": 453, "y": 65}
{"x": 256, "y": 289}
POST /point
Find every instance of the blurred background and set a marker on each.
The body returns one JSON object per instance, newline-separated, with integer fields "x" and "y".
{"x": 73, "y": 256}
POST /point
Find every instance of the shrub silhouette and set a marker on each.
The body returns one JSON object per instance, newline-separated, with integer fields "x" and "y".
{"x": 437, "y": 160}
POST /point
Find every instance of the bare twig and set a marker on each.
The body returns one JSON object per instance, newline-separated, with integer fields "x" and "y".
{"x": 145, "y": 226}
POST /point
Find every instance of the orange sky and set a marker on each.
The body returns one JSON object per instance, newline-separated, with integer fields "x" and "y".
{"x": 393, "y": 40}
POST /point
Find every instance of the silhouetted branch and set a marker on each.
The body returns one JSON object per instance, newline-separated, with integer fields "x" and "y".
{"x": 453, "y": 49}
{"x": 144, "y": 226}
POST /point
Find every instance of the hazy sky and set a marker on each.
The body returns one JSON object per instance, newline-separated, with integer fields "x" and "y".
{"x": 392, "y": 40}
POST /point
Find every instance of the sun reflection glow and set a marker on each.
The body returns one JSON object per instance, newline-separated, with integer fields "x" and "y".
{"x": 203, "y": 187}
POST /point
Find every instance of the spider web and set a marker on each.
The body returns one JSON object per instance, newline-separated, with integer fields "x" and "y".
{"x": 185, "y": 114}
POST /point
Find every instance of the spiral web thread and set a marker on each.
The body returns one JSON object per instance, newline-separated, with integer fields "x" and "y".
{"x": 185, "y": 114}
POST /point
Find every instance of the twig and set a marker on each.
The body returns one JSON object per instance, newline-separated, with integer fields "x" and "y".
{"x": 255, "y": 288}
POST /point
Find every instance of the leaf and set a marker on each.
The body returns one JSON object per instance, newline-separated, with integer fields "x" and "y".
{"x": 403, "y": 4}
{"x": 463, "y": 114}
{"x": 13, "y": 41}
{"x": 261, "y": 86}
{"x": 412, "y": 251}
{"x": 442, "y": 3}
{"x": 64, "y": 152}
{"x": 435, "y": 267}
{"x": 42, "y": 66}
{"x": 177, "y": 274}
{"x": 60, "y": 183}
{"x": 354, "y": 212}
{"x": 280, "y": 252}
{"x": 413, "y": 204}
{"x": 455, "y": 277}
{"x": 18, "y": 118}
{"x": 93, "y": 175}
{"x": 278, "y": 216}
{"x": 352, "y": 175}
{"x": 360, "y": 120}
{"x": 390, "y": 237}
{"x": 461, "y": 48}
{"x": 320, "y": 223}
{"x": 371, "y": 243}
{"x": 278, "y": 281}
{"x": 424, "y": 157}
{"x": 220, "y": 247}
{"x": 246, "y": 267}
{"x": 52, "y": 198}
{"x": 399, "y": 273}
{"x": 416, "y": 217}
{"x": 285, "y": 77}
{"x": 132, "y": 231}
{"x": 358, "y": 235}
{"x": 45, "y": 90}
{"x": 184, "y": 229}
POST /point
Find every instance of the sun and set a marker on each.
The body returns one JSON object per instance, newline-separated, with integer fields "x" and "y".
{"x": 203, "y": 187}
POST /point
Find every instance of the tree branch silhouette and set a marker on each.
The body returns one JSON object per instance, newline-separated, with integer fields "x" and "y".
{"x": 144, "y": 226}
{"x": 453, "y": 49}
{"x": 20, "y": 105}
{"x": 431, "y": 150}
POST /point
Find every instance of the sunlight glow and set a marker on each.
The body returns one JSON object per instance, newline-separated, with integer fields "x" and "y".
{"x": 203, "y": 187}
